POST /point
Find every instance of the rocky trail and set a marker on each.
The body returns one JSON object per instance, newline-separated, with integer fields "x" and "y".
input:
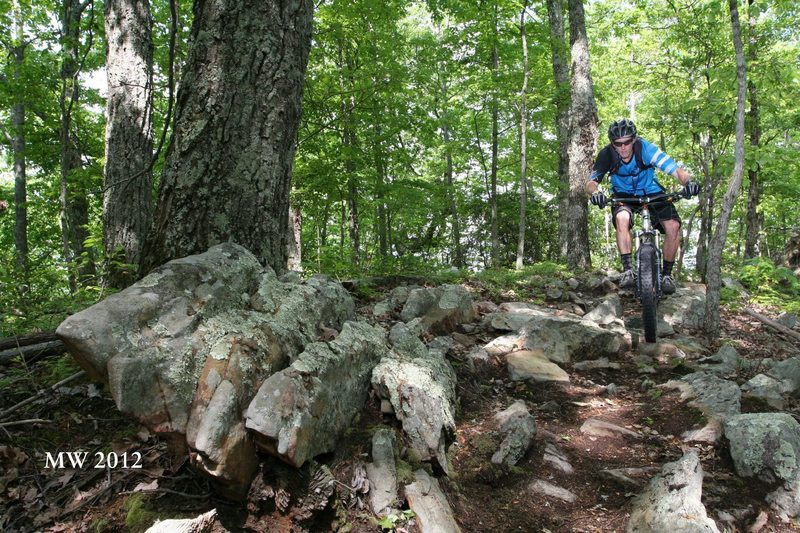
{"x": 409, "y": 407}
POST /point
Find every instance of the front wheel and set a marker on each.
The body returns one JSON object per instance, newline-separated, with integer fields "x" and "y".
{"x": 647, "y": 284}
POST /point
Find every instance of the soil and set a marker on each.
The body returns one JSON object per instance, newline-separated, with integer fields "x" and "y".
{"x": 484, "y": 498}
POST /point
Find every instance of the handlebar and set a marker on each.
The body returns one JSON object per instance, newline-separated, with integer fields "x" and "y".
{"x": 650, "y": 199}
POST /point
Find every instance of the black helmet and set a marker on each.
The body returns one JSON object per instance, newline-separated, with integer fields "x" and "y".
{"x": 621, "y": 128}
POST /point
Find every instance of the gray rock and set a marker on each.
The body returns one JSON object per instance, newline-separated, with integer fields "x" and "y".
{"x": 185, "y": 348}
{"x": 302, "y": 411}
{"x": 545, "y": 488}
{"x": 596, "y": 364}
{"x": 724, "y": 363}
{"x": 534, "y": 366}
{"x": 787, "y": 319}
{"x": 609, "y": 310}
{"x": 714, "y": 396}
{"x": 765, "y": 445}
{"x": 711, "y": 433}
{"x": 556, "y": 457}
{"x": 519, "y": 427}
{"x": 671, "y": 502}
{"x": 562, "y": 338}
{"x": 430, "y": 506}
{"x": 595, "y": 427}
{"x": 685, "y": 308}
{"x": 477, "y": 358}
{"x": 732, "y": 283}
{"x": 382, "y": 472}
{"x": 786, "y": 500}
{"x": 441, "y": 308}
{"x": 421, "y": 387}
{"x": 767, "y": 389}
{"x": 788, "y": 373}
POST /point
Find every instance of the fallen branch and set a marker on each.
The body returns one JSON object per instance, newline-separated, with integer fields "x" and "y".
{"x": 26, "y": 340}
{"x": 28, "y": 421}
{"x": 771, "y": 323}
{"x": 43, "y": 392}
{"x": 33, "y": 352}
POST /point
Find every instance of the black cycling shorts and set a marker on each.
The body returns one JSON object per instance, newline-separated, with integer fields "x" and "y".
{"x": 659, "y": 212}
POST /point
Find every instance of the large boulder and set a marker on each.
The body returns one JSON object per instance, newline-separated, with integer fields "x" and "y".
{"x": 302, "y": 410}
{"x": 765, "y": 446}
{"x": 185, "y": 349}
{"x": 440, "y": 309}
{"x": 685, "y": 308}
{"x": 562, "y": 338}
{"x": 671, "y": 502}
{"x": 420, "y": 385}
{"x": 716, "y": 397}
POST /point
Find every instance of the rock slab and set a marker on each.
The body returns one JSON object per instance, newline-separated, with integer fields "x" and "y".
{"x": 429, "y": 504}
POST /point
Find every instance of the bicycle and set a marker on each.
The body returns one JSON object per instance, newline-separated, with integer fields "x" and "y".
{"x": 647, "y": 274}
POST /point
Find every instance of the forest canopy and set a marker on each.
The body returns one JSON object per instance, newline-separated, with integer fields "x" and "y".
{"x": 424, "y": 125}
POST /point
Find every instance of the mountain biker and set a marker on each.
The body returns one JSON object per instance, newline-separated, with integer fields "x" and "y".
{"x": 631, "y": 162}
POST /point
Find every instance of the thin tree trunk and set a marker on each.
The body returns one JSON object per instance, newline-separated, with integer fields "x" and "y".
{"x": 295, "y": 252}
{"x": 129, "y": 136}
{"x": 458, "y": 250}
{"x": 754, "y": 218}
{"x": 495, "y": 141}
{"x": 18, "y": 146}
{"x": 227, "y": 173}
{"x": 523, "y": 141}
{"x": 74, "y": 204}
{"x": 711, "y": 322}
{"x": 380, "y": 185}
{"x": 559, "y": 51}
{"x": 583, "y": 138}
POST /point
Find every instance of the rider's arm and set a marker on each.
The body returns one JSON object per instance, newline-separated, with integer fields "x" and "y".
{"x": 591, "y": 187}
{"x": 683, "y": 176}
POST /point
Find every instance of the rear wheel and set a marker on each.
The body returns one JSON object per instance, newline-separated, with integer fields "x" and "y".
{"x": 647, "y": 263}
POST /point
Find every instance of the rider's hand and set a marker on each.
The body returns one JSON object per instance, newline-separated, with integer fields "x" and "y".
{"x": 691, "y": 189}
{"x": 599, "y": 199}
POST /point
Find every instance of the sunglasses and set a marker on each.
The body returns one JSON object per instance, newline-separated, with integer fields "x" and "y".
{"x": 620, "y": 144}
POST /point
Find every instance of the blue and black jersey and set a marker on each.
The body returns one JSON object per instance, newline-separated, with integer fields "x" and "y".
{"x": 637, "y": 176}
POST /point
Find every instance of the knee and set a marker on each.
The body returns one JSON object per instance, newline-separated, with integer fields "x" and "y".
{"x": 623, "y": 220}
{"x": 672, "y": 228}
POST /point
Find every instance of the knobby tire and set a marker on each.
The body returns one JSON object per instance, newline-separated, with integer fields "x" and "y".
{"x": 648, "y": 290}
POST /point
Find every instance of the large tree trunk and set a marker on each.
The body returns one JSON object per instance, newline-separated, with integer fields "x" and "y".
{"x": 713, "y": 274}
{"x": 73, "y": 202}
{"x": 559, "y": 50}
{"x": 129, "y": 136}
{"x": 228, "y": 169}
{"x": 754, "y": 218}
{"x": 523, "y": 141}
{"x": 582, "y": 140}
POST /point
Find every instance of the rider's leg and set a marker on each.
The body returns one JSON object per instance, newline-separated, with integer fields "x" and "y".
{"x": 622, "y": 221}
{"x": 672, "y": 231}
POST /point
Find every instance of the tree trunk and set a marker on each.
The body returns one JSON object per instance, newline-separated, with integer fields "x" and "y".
{"x": 295, "y": 252}
{"x": 129, "y": 136}
{"x": 495, "y": 137}
{"x": 73, "y": 202}
{"x": 18, "y": 146}
{"x": 754, "y": 218}
{"x": 523, "y": 141}
{"x": 458, "y": 250}
{"x": 558, "y": 46}
{"x": 227, "y": 172}
{"x": 711, "y": 322}
{"x": 582, "y": 140}
{"x": 380, "y": 186}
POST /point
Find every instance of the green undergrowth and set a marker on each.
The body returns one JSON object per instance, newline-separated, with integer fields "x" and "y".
{"x": 766, "y": 284}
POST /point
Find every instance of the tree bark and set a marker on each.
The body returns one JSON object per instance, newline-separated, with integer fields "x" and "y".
{"x": 559, "y": 49}
{"x": 73, "y": 202}
{"x": 129, "y": 136}
{"x": 523, "y": 141}
{"x": 458, "y": 250}
{"x": 495, "y": 141}
{"x": 295, "y": 253}
{"x": 754, "y": 218}
{"x": 711, "y": 323}
{"x": 18, "y": 146}
{"x": 582, "y": 141}
{"x": 227, "y": 173}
